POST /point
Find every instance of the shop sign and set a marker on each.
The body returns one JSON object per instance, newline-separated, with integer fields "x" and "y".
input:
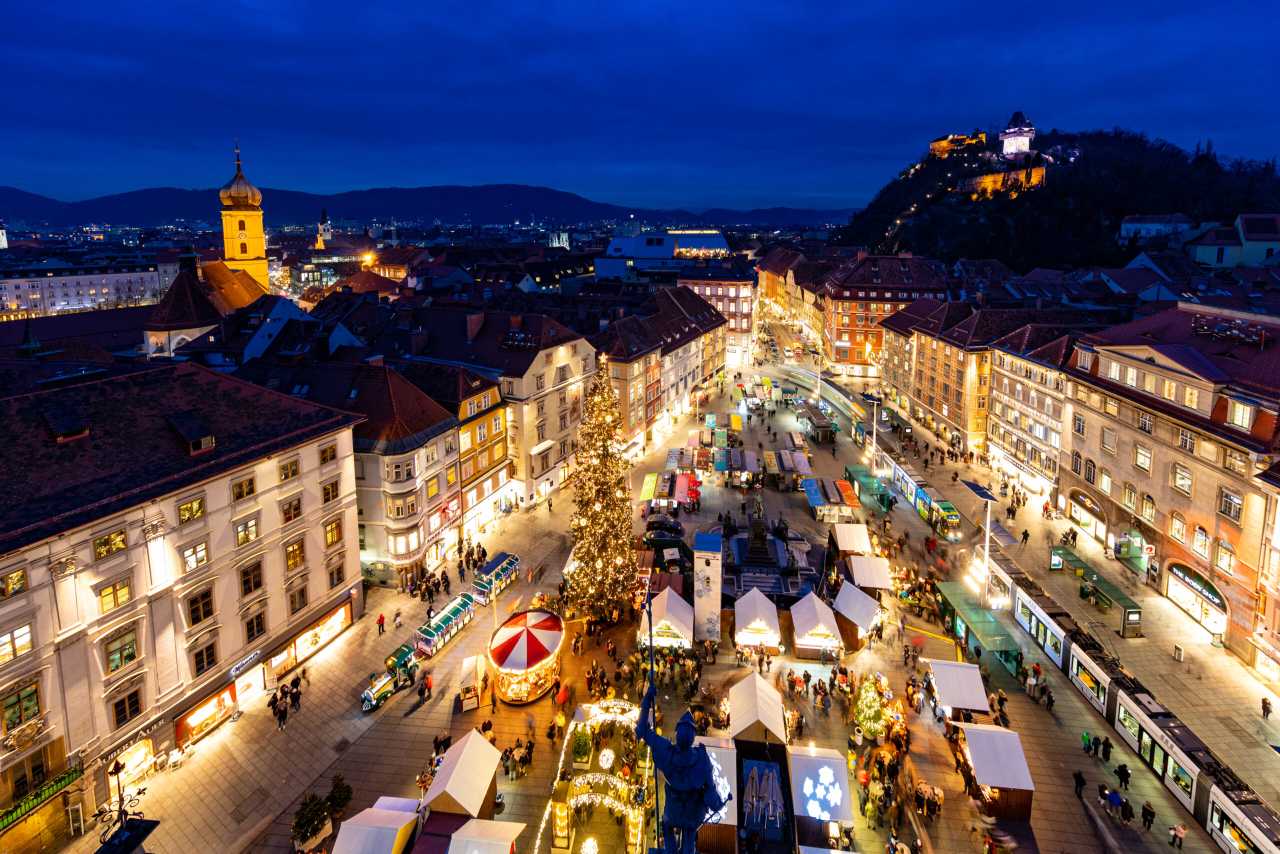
{"x": 1199, "y": 584}
{"x": 243, "y": 664}
{"x": 138, "y": 736}
{"x": 1086, "y": 503}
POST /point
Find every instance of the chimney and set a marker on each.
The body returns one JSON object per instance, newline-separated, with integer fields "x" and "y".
{"x": 474, "y": 322}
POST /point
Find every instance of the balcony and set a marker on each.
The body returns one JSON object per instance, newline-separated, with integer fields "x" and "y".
{"x": 38, "y": 798}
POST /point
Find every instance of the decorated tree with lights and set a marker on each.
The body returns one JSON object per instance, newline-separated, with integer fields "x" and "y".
{"x": 869, "y": 710}
{"x": 604, "y": 565}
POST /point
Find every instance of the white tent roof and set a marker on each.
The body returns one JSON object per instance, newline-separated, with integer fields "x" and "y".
{"x": 870, "y": 572}
{"x": 820, "y": 783}
{"x": 857, "y": 606}
{"x": 375, "y": 831}
{"x": 755, "y": 708}
{"x": 755, "y": 607}
{"x": 480, "y": 836}
{"x": 466, "y": 771}
{"x": 997, "y": 757}
{"x": 812, "y": 613}
{"x": 668, "y": 606}
{"x": 959, "y": 685}
{"x": 852, "y": 538}
{"x": 724, "y": 773}
{"x": 387, "y": 802}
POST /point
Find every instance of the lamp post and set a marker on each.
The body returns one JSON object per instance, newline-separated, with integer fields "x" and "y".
{"x": 115, "y": 817}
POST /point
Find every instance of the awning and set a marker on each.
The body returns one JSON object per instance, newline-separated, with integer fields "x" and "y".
{"x": 751, "y": 462}
{"x": 801, "y": 462}
{"x": 672, "y": 621}
{"x": 870, "y": 572}
{"x": 755, "y": 711}
{"x": 735, "y": 422}
{"x": 959, "y": 685}
{"x": 997, "y": 757}
{"x": 649, "y": 486}
{"x": 375, "y": 831}
{"x": 673, "y": 458}
{"x": 480, "y": 836}
{"x": 847, "y": 493}
{"x": 462, "y": 782}
{"x": 722, "y": 438}
{"x": 724, "y": 776}
{"x": 695, "y": 439}
{"x": 722, "y": 460}
{"x": 851, "y": 538}
{"x": 813, "y": 492}
{"x": 820, "y": 783}
{"x": 770, "y": 462}
{"x": 755, "y": 619}
{"x": 814, "y": 622}
{"x": 682, "y": 488}
{"x": 857, "y": 607}
{"x": 541, "y": 447}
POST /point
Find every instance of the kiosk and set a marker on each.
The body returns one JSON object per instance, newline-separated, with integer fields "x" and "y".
{"x": 755, "y": 622}
{"x": 816, "y": 632}
{"x": 999, "y": 769}
{"x": 672, "y": 622}
{"x": 467, "y": 779}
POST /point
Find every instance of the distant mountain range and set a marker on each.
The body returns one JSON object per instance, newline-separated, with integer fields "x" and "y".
{"x": 487, "y": 204}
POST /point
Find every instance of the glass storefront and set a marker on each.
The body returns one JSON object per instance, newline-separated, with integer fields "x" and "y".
{"x": 1196, "y": 595}
{"x": 309, "y": 642}
{"x": 1085, "y": 512}
{"x": 201, "y": 720}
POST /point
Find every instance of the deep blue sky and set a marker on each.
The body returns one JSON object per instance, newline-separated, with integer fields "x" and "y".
{"x": 654, "y": 104}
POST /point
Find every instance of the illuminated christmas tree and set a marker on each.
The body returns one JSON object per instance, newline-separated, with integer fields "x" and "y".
{"x": 869, "y": 710}
{"x": 604, "y": 570}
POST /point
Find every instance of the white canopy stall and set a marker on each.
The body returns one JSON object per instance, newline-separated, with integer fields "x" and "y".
{"x": 467, "y": 778}
{"x": 957, "y": 685}
{"x": 820, "y": 783}
{"x": 851, "y": 539}
{"x": 376, "y": 831}
{"x": 756, "y": 711}
{"x": 755, "y": 621}
{"x": 815, "y": 627}
{"x": 480, "y": 836}
{"x": 870, "y": 572}
{"x": 1000, "y": 768}
{"x": 672, "y": 621}
{"x": 861, "y": 611}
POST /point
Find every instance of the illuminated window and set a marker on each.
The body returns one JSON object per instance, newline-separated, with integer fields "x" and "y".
{"x": 333, "y": 532}
{"x": 12, "y": 583}
{"x": 1200, "y": 542}
{"x": 20, "y": 706}
{"x": 433, "y": 487}
{"x": 1104, "y": 481}
{"x": 1239, "y": 415}
{"x": 114, "y": 595}
{"x": 246, "y": 531}
{"x": 1142, "y": 457}
{"x": 199, "y": 607}
{"x": 288, "y": 470}
{"x": 1225, "y": 560}
{"x": 294, "y": 555}
{"x": 196, "y": 555}
{"x": 1230, "y": 505}
{"x": 1148, "y": 508}
{"x": 14, "y": 643}
{"x": 1130, "y": 496}
{"x": 242, "y": 489}
{"x": 109, "y": 544}
{"x": 121, "y": 650}
{"x": 189, "y": 511}
{"x": 1170, "y": 390}
{"x": 329, "y": 453}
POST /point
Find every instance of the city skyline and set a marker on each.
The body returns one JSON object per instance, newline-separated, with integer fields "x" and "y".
{"x": 579, "y": 104}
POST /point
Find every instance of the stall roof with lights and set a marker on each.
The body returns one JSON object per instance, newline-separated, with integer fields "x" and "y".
{"x": 820, "y": 783}
{"x": 481, "y": 836}
{"x": 670, "y": 608}
{"x": 462, "y": 782}
{"x": 851, "y": 538}
{"x": 811, "y": 614}
{"x": 959, "y": 685}
{"x": 724, "y": 772}
{"x": 856, "y": 606}
{"x": 754, "y": 609}
{"x": 375, "y": 831}
{"x": 997, "y": 757}
{"x": 756, "y": 711}
{"x": 872, "y": 572}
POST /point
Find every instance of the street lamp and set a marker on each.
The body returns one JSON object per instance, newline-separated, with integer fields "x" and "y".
{"x": 115, "y": 817}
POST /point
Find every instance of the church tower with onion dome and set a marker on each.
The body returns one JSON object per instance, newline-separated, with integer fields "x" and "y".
{"x": 244, "y": 238}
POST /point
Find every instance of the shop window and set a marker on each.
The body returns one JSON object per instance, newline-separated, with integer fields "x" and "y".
{"x": 291, "y": 510}
{"x": 20, "y": 706}
{"x": 1200, "y": 542}
{"x": 329, "y": 492}
{"x": 126, "y": 708}
{"x": 328, "y": 453}
{"x": 288, "y": 470}
{"x": 189, "y": 511}
{"x": 14, "y": 643}
{"x": 1178, "y": 527}
{"x": 199, "y": 607}
{"x": 1225, "y": 560}
{"x": 246, "y": 531}
{"x": 195, "y": 555}
{"x": 297, "y": 599}
{"x": 332, "y": 532}
{"x": 121, "y": 651}
{"x": 205, "y": 658}
{"x": 242, "y": 489}
{"x": 255, "y": 627}
{"x": 114, "y": 595}
{"x": 108, "y": 544}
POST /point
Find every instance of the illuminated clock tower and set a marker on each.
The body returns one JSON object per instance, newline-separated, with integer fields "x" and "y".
{"x": 244, "y": 239}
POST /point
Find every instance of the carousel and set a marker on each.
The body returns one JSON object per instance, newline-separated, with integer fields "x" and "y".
{"x": 524, "y": 655}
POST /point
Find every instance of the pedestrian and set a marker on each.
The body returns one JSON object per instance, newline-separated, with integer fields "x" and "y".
{"x": 430, "y": 682}
{"x": 1177, "y": 833}
{"x": 398, "y": 622}
{"x": 548, "y": 504}
{"x": 382, "y": 624}
{"x": 1078, "y": 777}
{"x": 1148, "y": 815}
{"x": 1114, "y": 800}
{"x": 1095, "y": 745}
{"x": 1026, "y": 536}
{"x": 1266, "y": 709}
{"x": 422, "y": 692}
{"x": 272, "y": 701}
{"x": 1122, "y": 772}
{"x": 1126, "y": 811}
{"x": 1106, "y": 749}
{"x": 282, "y": 715}
{"x": 1048, "y": 699}
{"x": 295, "y": 698}
{"x": 493, "y": 698}
{"x": 306, "y": 679}
{"x": 1086, "y": 741}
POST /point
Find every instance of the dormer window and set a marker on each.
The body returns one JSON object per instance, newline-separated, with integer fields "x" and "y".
{"x": 1239, "y": 415}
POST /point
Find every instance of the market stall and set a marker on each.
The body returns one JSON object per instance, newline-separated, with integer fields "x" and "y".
{"x": 954, "y": 685}
{"x": 870, "y": 573}
{"x": 816, "y": 632}
{"x": 820, "y": 784}
{"x": 482, "y": 836}
{"x": 719, "y": 834}
{"x": 467, "y": 778}
{"x": 444, "y": 626}
{"x": 756, "y": 712}
{"x": 469, "y": 683}
{"x": 524, "y": 655}
{"x": 998, "y": 770}
{"x": 672, "y": 622}
{"x": 857, "y": 615}
{"x": 376, "y": 831}
{"x": 849, "y": 539}
{"x": 755, "y": 621}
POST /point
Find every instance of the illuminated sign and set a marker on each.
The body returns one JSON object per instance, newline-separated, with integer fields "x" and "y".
{"x": 823, "y": 796}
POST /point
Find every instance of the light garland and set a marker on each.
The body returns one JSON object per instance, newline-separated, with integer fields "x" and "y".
{"x": 606, "y": 759}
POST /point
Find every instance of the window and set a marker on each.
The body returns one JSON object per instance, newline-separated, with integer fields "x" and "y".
{"x": 1149, "y": 383}
{"x": 1130, "y": 496}
{"x": 1182, "y": 478}
{"x": 114, "y": 595}
{"x": 1075, "y": 462}
{"x": 329, "y": 492}
{"x": 242, "y": 489}
{"x": 1225, "y": 559}
{"x": 246, "y": 531}
{"x": 288, "y": 470}
{"x": 297, "y": 599}
{"x": 1131, "y": 377}
{"x": 1077, "y": 424}
{"x": 250, "y": 578}
{"x": 1191, "y": 398}
{"x": 255, "y": 627}
{"x": 1090, "y": 471}
{"x": 20, "y": 706}
{"x": 1113, "y": 371}
{"x": 1170, "y": 390}
{"x": 332, "y": 532}
{"x": 1186, "y": 440}
{"x": 1178, "y": 527}
{"x": 1200, "y": 542}
{"x": 1235, "y": 461}
{"x": 121, "y": 650}
{"x": 205, "y": 658}
{"x": 1142, "y": 457}
{"x": 1104, "y": 481}
{"x": 1108, "y": 440}
{"x": 337, "y": 574}
{"x": 200, "y": 607}
{"x": 1148, "y": 508}
{"x": 1144, "y": 422}
{"x": 12, "y": 583}
{"x": 241, "y": 228}
{"x": 291, "y": 510}
{"x": 244, "y": 248}
{"x": 108, "y": 544}
{"x": 14, "y": 643}
{"x": 295, "y": 555}
{"x": 497, "y": 424}
{"x": 1239, "y": 415}
{"x": 126, "y": 708}
{"x": 195, "y": 555}
{"x": 540, "y": 382}
{"x": 433, "y": 487}
{"x": 1230, "y": 504}
{"x": 328, "y": 453}
{"x": 189, "y": 511}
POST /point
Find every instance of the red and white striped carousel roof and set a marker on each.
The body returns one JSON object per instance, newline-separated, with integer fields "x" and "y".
{"x": 526, "y": 640}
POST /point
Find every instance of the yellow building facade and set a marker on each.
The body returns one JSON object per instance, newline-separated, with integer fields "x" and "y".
{"x": 244, "y": 236}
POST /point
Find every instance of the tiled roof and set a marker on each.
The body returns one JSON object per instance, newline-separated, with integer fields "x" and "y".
{"x": 1038, "y": 342}
{"x": 445, "y": 384}
{"x": 900, "y": 272}
{"x": 131, "y": 452}
{"x": 1222, "y": 236}
{"x": 112, "y": 328}
{"x": 186, "y": 305}
{"x": 230, "y": 289}
{"x": 1172, "y": 266}
{"x": 779, "y": 260}
{"x": 505, "y": 344}
{"x": 367, "y": 281}
{"x": 1132, "y": 280}
{"x": 681, "y": 316}
{"x": 904, "y": 321}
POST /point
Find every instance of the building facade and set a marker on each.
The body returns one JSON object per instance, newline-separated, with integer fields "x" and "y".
{"x": 733, "y": 293}
{"x": 56, "y": 287}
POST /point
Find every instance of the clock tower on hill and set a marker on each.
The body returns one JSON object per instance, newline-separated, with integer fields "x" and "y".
{"x": 244, "y": 239}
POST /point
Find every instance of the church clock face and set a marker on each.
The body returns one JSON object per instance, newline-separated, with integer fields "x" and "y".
{"x": 240, "y": 235}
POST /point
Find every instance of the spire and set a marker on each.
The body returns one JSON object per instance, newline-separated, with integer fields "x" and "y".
{"x": 238, "y": 192}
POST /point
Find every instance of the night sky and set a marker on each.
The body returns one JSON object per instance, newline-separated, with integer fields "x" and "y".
{"x": 654, "y": 104}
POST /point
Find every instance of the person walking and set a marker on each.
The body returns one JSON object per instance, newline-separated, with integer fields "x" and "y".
{"x": 1096, "y": 745}
{"x": 1126, "y": 811}
{"x": 1106, "y": 749}
{"x": 422, "y": 692}
{"x": 1123, "y": 774}
{"x": 382, "y": 623}
{"x": 1078, "y": 777}
{"x": 430, "y": 682}
{"x": 1086, "y": 741}
{"x": 1266, "y": 709}
{"x": 1148, "y": 815}
{"x": 282, "y": 715}
{"x": 1048, "y": 699}
{"x": 295, "y": 698}
{"x": 1026, "y": 536}
{"x": 1177, "y": 833}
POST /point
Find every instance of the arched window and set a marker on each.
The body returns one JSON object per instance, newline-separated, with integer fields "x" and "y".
{"x": 1178, "y": 527}
{"x": 241, "y": 226}
{"x": 1148, "y": 508}
{"x": 1225, "y": 559}
{"x": 1075, "y": 462}
{"x": 1090, "y": 471}
{"x": 244, "y": 249}
{"x": 1200, "y": 543}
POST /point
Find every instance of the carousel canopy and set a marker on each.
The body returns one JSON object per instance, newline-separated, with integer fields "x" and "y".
{"x": 375, "y": 831}
{"x": 811, "y": 615}
{"x": 997, "y": 757}
{"x": 480, "y": 836}
{"x": 857, "y": 607}
{"x": 755, "y": 710}
{"x": 754, "y": 610}
{"x": 959, "y": 685}
{"x": 525, "y": 640}
{"x": 820, "y": 783}
{"x": 851, "y": 538}
{"x": 668, "y": 607}
{"x": 462, "y": 782}
{"x": 724, "y": 773}
{"x": 870, "y": 572}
